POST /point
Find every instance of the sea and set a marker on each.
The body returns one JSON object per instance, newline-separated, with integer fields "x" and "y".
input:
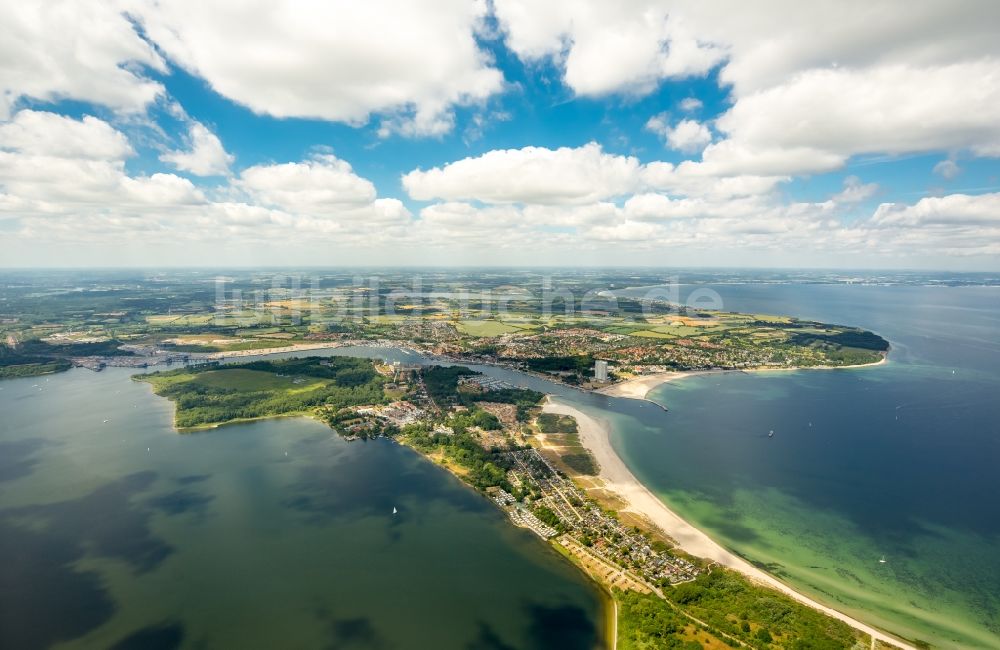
{"x": 879, "y": 490}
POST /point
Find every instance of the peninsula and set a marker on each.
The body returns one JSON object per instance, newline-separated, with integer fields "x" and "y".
{"x": 552, "y": 470}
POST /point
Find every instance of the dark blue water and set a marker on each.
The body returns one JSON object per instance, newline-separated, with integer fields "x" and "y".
{"x": 898, "y": 461}
{"x": 117, "y": 532}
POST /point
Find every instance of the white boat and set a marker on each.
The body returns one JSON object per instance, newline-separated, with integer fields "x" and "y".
{"x": 882, "y": 560}
{"x": 394, "y": 510}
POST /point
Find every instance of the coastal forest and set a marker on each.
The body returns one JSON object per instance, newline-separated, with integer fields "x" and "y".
{"x": 215, "y": 394}
{"x": 722, "y": 608}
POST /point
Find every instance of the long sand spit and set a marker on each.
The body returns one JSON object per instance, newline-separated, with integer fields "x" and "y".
{"x": 639, "y": 387}
{"x": 596, "y": 436}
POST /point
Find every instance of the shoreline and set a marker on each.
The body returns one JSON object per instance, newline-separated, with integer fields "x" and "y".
{"x": 595, "y": 435}
{"x": 608, "y": 601}
{"x": 639, "y": 387}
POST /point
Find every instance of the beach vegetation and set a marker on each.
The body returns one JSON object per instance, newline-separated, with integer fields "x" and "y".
{"x": 647, "y": 622}
{"x": 555, "y": 423}
{"x": 731, "y": 604}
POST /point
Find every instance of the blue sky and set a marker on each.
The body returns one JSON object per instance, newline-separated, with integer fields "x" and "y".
{"x": 531, "y": 113}
{"x": 658, "y": 133}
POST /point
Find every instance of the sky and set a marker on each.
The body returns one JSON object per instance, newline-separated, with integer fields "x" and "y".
{"x": 453, "y": 132}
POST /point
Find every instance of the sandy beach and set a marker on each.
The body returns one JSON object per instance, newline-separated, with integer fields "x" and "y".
{"x": 596, "y": 436}
{"x": 639, "y": 387}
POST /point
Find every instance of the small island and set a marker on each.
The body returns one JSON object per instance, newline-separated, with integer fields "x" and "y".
{"x": 532, "y": 465}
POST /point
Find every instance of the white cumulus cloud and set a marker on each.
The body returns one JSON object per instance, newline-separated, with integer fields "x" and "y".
{"x": 607, "y": 47}
{"x": 74, "y": 49}
{"x": 811, "y": 84}
{"x": 855, "y": 191}
{"x": 65, "y": 180}
{"x": 690, "y": 104}
{"x": 339, "y": 61}
{"x": 322, "y": 183}
{"x": 692, "y": 179}
{"x": 42, "y": 133}
{"x": 951, "y": 210}
{"x": 323, "y": 186}
{"x": 686, "y": 135}
{"x": 205, "y": 155}
{"x": 57, "y": 165}
{"x": 947, "y": 168}
{"x": 822, "y": 117}
{"x": 529, "y": 175}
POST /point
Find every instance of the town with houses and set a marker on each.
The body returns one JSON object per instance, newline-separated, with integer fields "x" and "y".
{"x": 538, "y": 495}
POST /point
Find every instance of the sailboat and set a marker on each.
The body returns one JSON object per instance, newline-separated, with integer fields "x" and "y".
{"x": 770, "y": 434}
{"x": 394, "y": 510}
{"x": 882, "y": 560}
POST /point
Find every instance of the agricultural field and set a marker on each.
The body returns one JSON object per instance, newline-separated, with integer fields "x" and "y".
{"x": 181, "y": 320}
{"x": 487, "y": 328}
{"x": 503, "y": 318}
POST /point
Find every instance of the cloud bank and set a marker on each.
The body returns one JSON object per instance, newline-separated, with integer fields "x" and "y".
{"x": 85, "y": 156}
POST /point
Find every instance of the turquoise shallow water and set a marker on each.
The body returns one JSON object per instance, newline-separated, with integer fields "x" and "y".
{"x": 897, "y": 461}
{"x": 275, "y": 534}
